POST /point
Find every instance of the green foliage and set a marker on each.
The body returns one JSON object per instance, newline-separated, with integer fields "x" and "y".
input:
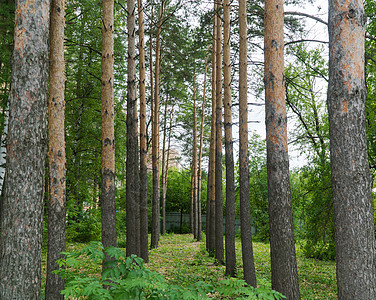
{"x": 127, "y": 278}
{"x": 311, "y": 185}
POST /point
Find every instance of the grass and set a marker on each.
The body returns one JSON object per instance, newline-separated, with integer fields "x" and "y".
{"x": 184, "y": 261}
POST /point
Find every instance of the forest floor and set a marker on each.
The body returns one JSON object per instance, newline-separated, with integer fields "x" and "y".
{"x": 183, "y": 261}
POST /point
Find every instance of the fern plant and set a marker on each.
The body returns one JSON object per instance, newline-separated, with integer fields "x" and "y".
{"x": 127, "y": 278}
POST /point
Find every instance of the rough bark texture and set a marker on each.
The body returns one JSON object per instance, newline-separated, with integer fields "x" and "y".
{"x": 56, "y": 154}
{"x": 199, "y": 172}
{"x": 282, "y": 245}
{"x": 143, "y": 142}
{"x": 351, "y": 180}
{"x": 219, "y": 251}
{"x": 230, "y": 177}
{"x": 194, "y": 164}
{"x": 210, "y": 221}
{"x": 245, "y": 207}
{"x": 132, "y": 173}
{"x": 108, "y": 138}
{"x": 164, "y": 170}
{"x": 22, "y": 214}
{"x": 155, "y": 223}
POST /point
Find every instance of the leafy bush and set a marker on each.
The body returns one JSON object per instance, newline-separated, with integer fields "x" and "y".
{"x": 127, "y": 278}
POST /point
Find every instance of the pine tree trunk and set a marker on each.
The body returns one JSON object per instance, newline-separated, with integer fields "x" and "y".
{"x": 156, "y": 227}
{"x": 282, "y": 244}
{"x": 164, "y": 169}
{"x": 132, "y": 172}
{"x": 351, "y": 180}
{"x": 219, "y": 251}
{"x": 210, "y": 220}
{"x": 245, "y": 207}
{"x": 194, "y": 162}
{"x": 199, "y": 175}
{"x": 56, "y": 154}
{"x": 143, "y": 141}
{"x": 22, "y": 214}
{"x": 108, "y": 137}
{"x": 230, "y": 177}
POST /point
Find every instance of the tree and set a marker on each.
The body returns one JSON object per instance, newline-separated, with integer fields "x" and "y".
{"x": 194, "y": 163}
{"x": 56, "y": 153}
{"x": 143, "y": 140}
{"x": 210, "y": 207}
{"x": 155, "y": 227}
{"x": 199, "y": 175}
{"x": 282, "y": 244}
{"x": 245, "y": 210}
{"x": 108, "y": 138}
{"x": 218, "y": 147}
{"x": 351, "y": 180}
{"x": 132, "y": 177}
{"x": 21, "y": 217}
{"x": 230, "y": 177}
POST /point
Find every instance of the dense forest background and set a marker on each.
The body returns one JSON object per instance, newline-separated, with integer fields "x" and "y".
{"x": 185, "y": 41}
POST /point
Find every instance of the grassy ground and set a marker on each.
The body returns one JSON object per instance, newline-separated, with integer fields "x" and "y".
{"x": 183, "y": 262}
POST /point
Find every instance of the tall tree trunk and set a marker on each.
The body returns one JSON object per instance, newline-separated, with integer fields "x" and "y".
{"x": 194, "y": 162}
{"x": 22, "y": 214}
{"x": 230, "y": 177}
{"x": 108, "y": 137}
{"x": 143, "y": 140}
{"x": 199, "y": 172}
{"x": 164, "y": 154}
{"x": 219, "y": 251}
{"x": 56, "y": 154}
{"x": 351, "y": 180}
{"x": 210, "y": 219}
{"x": 282, "y": 244}
{"x": 155, "y": 228}
{"x": 245, "y": 207}
{"x": 132, "y": 172}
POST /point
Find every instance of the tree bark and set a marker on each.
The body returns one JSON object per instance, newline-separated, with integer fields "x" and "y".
{"x": 194, "y": 162}
{"x": 351, "y": 180}
{"x": 219, "y": 251}
{"x": 164, "y": 169}
{"x": 245, "y": 207}
{"x": 108, "y": 137}
{"x": 132, "y": 172}
{"x": 199, "y": 175}
{"x": 156, "y": 227}
{"x": 229, "y": 154}
{"x": 143, "y": 140}
{"x": 22, "y": 214}
{"x": 56, "y": 154}
{"x": 282, "y": 244}
{"x": 210, "y": 219}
